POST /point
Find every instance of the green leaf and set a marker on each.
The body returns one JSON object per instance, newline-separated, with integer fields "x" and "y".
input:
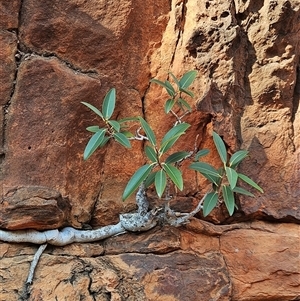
{"x": 138, "y": 177}
{"x": 93, "y": 128}
{"x": 175, "y": 79}
{"x": 160, "y": 182}
{"x": 242, "y": 191}
{"x": 228, "y": 199}
{"x": 176, "y": 157}
{"x": 185, "y": 104}
{"x": 109, "y": 103}
{"x": 148, "y": 131}
{"x": 179, "y": 129}
{"x": 187, "y": 79}
{"x": 153, "y": 80}
{"x": 168, "y": 144}
{"x": 169, "y": 105}
{"x": 94, "y": 109}
{"x": 150, "y": 179}
{"x": 151, "y": 153}
{"x": 250, "y": 182}
{"x": 170, "y": 89}
{"x": 115, "y": 125}
{"x": 237, "y": 157}
{"x": 94, "y": 143}
{"x": 122, "y": 139}
{"x": 232, "y": 176}
{"x": 127, "y": 134}
{"x": 174, "y": 174}
{"x": 128, "y": 119}
{"x": 210, "y": 202}
{"x": 201, "y": 153}
{"x": 206, "y": 168}
{"x": 172, "y": 136}
{"x": 208, "y": 171}
{"x": 220, "y": 147}
{"x": 188, "y": 92}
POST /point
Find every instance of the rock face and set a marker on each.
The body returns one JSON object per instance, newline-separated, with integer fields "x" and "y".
{"x": 246, "y": 261}
{"x": 55, "y": 54}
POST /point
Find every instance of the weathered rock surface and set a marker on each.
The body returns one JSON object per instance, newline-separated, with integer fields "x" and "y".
{"x": 253, "y": 261}
{"x": 55, "y": 54}
{"x": 32, "y": 207}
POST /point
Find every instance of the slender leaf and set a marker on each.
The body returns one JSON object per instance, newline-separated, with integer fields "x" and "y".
{"x": 115, "y": 125}
{"x": 208, "y": 171}
{"x": 94, "y": 109}
{"x": 185, "y": 104}
{"x": 237, "y": 157}
{"x": 159, "y": 83}
{"x": 176, "y": 157}
{"x": 170, "y": 89}
{"x": 174, "y": 174}
{"x": 93, "y": 128}
{"x": 127, "y": 134}
{"x": 210, "y": 202}
{"x": 212, "y": 179}
{"x": 201, "y": 153}
{"x": 128, "y": 119}
{"x": 168, "y": 144}
{"x": 94, "y": 143}
{"x": 104, "y": 141}
{"x": 188, "y": 92}
{"x": 232, "y": 176}
{"x": 187, "y": 79}
{"x": 242, "y": 191}
{"x": 175, "y": 79}
{"x": 228, "y": 199}
{"x": 220, "y": 147}
{"x": 109, "y": 102}
{"x": 150, "y": 179}
{"x": 206, "y": 168}
{"x": 148, "y": 131}
{"x": 169, "y": 105}
{"x": 122, "y": 139}
{"x": 138, "y": 177}
{"x": 151, "y": 153}
{"x": 250, "y": 182}
{"x": 176, "y": 130}
{"x": 160, "y": 182}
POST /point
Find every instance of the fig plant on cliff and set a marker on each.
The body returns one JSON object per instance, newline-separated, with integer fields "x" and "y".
{"x": 163, "y": 167}
{"x": 163, "y": 171}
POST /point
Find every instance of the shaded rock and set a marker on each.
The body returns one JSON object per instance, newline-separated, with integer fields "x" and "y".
{"x": 8, "y": 49}
{"x": 9, "y": 11}
{"x": 34, "y": 208}
{"x": 8, "y": 42}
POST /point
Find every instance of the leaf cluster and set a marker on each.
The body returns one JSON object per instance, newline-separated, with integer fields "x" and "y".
{"x": 115, "y": 129}
{"x": 177, "y": 91}
{"x": 225, "y": 179}
{"x": 163, "y": 169}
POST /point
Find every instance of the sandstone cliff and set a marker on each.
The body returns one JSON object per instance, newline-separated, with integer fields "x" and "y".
{"x": 55, "y": 54}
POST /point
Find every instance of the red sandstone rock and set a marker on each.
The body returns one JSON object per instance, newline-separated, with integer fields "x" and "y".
{"x": 33, "y": 207}
{"x": 9, "y": 12}
{"x": 247, "y": 88}
{"x": 250, "y": 261}
{"x": 263, "y": 262}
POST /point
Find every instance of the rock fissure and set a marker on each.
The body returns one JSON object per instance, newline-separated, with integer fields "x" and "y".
{"x": 180, "y": 15}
